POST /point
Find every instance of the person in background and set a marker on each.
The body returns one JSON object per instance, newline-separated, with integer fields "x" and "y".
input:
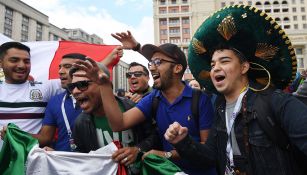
{"x": 138, "y": 77}
{"x": 194, "y": 84}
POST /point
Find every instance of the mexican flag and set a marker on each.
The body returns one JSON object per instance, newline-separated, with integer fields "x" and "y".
{"x": 46, "y": 55}
{"x": 20, "y": 155}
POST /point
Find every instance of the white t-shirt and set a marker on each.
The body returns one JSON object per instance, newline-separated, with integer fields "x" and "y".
{"x": 24, "y": 104}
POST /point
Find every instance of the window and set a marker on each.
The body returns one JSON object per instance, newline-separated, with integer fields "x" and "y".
{"x": 223, "y": 4}
{"x": 186, "y": 31}
{"x": 293, "y": 1}
{"x": 25, "y": 29}
{"x": 284, "y": 2}
{"x": 162, "y": 11}
{"x": 276, "y": 10}
{"x": 186, "y": 40}
{"x": 302, "y": 1}
{"x": 185, "y": 21}
{"x": 299, "y": 51}
{"x": 304, "y": 26}
{"x": 75, "y": 33}
{"x": 267, "y": 10}
{"x": 240, "y": 2}
{"x": 287, "y": 26}
{"x": 286, "y": 19}
{"x": 277, "y": 19}
{"x": 285, "y": 10}
{"x": 267, "y": 3}
{"x": 304, "y": 17}
{"x": 39, "y": 32}
{"x": 8, "y": 22}
{"x": 232, "y": 3}
{"x": 184, "y": 1}
{"x": 163, "y": 22}
{"x": 162, "y": 2}
{"x": 163, "y": 32}
{"x": 250, "y": 3}
{"x": 55, "y": 38}
{"x": 294, "y": 18}
{"x": 302, "y": 9}
{"x": 174, "y": 2}
{"x": 293, "y": 9}
{"x": 174, "y": 31}
{"x": 174, "y": 21}
{"x": 162, "y": 41}
{"x": 275, "y": 3}
{"x": 258, "y": 3}
{"x": 173, "y": 10}
{"x": 295, "y": 26}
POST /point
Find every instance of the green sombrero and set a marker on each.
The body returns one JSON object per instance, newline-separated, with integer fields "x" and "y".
{"x": 253, "y": 33}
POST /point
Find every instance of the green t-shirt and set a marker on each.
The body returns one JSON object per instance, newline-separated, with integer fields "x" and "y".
{"x": 105, "y": 135}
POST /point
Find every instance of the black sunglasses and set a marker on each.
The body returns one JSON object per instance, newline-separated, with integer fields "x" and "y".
{"x": 157, "y": 62}
{"x": 136, "y": 74}
{"x": 81, "y": 85}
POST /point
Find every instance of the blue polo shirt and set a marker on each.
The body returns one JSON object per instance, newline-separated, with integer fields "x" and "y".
{"x": 54, "y": 117}
{"x": 180, "y": 111}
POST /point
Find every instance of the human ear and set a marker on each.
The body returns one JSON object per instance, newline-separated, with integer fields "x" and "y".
{"x": 178, "y": 68}
{"x": 245, "y": 67}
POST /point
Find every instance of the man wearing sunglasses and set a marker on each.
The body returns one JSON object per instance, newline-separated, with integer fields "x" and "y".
{"x": 138, "y": 77}
{"x": 167, "y": 64}
{"x": 62, "y": 109}
{"x": 92, "y": 131}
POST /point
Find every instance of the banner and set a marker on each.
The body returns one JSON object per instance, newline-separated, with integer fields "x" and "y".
{"x": 46, "y": 56}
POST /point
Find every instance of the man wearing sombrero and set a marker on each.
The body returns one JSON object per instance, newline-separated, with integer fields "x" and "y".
{"x": 246, "y": 55}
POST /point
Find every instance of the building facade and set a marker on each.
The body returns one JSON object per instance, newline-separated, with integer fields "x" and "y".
{"x": 22, "y": 22}
{"x": 175, "y": 21}
{"x": 119, "y": 71}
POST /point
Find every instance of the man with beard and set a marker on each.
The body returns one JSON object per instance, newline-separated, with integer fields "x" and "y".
{"x": 22, "y": 102}
{"x": 167, "y": 64}
{"x": 138, "y": 77}
{"x": 92, "y": 131}
{"x": 258, "y": 130}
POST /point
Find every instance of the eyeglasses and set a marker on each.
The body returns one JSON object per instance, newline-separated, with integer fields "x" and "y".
{"x": 158, "y": 62}
{"x": 81, "y": 85}
{"x": 136, "y": 74}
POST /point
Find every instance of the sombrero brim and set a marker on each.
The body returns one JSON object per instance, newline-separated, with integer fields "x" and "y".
{"x": 271, "y": 47}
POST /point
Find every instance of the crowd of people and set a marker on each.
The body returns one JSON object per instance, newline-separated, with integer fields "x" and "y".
{"x": 245, "y": 121}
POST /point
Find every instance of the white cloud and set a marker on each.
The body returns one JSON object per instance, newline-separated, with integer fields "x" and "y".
{"x": 92, "y": 9}
{"x": 120, "y": 2}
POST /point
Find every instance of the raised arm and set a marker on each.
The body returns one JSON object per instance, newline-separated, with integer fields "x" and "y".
{"x": 118, "y": 121}
{"x": 127, "y": 40}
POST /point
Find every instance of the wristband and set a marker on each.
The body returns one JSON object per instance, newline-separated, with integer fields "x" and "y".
{"x": 137, "y": 47}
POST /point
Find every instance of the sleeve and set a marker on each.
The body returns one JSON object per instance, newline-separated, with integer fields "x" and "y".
{"x": 54, "y": 87}
{"x": 206, "y": 153}
{"x": 205, "y": 113}
{"x": 49, "y": 118}
{"x": 292, "y": 114}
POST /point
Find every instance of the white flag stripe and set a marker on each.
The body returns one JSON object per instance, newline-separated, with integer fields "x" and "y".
{"x": 41, "y": 162}
{"x": 42, "y": 54}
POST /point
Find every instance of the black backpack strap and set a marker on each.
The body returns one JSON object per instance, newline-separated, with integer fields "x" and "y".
{"x": 267, "y": 122}
{"x": 195, "y": 105}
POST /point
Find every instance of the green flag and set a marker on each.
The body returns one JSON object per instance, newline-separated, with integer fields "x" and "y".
{"x": 157, "y": 165}
{"x": 17, "y": 144}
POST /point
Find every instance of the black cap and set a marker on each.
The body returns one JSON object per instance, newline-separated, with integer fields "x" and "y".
{"x": 171, "y": 50}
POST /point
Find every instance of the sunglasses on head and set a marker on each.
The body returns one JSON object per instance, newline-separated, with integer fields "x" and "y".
{"x": 136, "y": 74}
{"x": 81, "y": 85}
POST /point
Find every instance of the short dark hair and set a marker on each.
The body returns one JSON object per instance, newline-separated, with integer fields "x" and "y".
{"x": 133, "y": 64}
{"x": 225, "y": 46}
{"x": 78, "y": 56}
{"x": 8, "y": 45}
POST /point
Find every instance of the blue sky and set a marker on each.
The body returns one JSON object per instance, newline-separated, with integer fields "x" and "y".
{"x": 103, "y": 17}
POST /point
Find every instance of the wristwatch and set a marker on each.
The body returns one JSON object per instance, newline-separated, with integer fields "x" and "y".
{"x": 168, "y": 155}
